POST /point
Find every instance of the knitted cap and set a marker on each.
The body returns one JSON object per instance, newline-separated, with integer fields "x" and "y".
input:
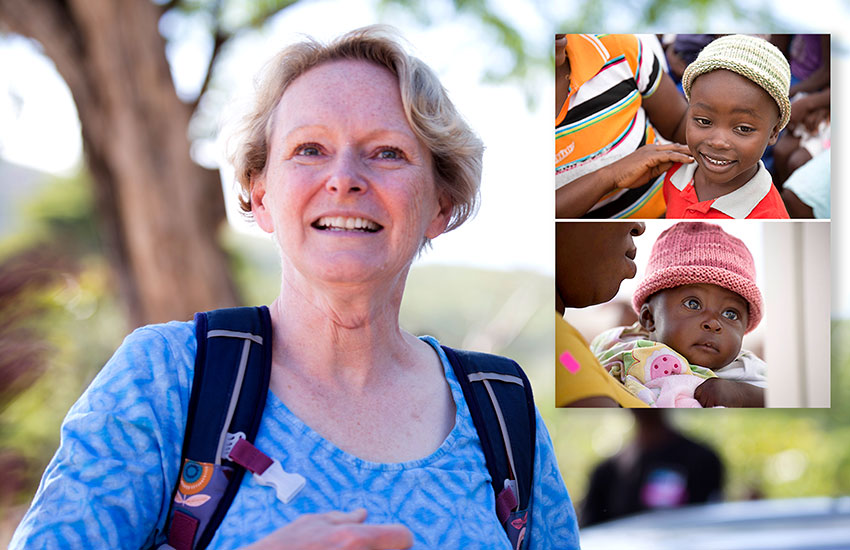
{"x": 751, "y": 57}
{"x": 698, "y": 252}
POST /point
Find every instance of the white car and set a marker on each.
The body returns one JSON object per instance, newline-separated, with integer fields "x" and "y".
{"x": 792, "y": 524}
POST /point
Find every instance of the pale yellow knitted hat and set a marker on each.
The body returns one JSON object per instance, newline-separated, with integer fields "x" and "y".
{"x": 751, "y": 57}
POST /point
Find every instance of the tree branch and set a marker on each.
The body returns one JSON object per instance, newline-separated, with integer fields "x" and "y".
{"x": 219, "y": 38}
{"x": 169, "y": 5}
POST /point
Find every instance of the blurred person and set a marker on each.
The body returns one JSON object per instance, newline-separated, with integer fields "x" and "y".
{"x": 591, "y": 260}
{"x": 737, "y": 92}
{"x": 808, "y": 135}
{"x": 681, "y": 50}
{"x": 808, "y": 130}
{"x": 353, "y": 158}
{"x": 614, "y": 105}
{"x": 807, "y": 192}
{"x": 695, "y": 302}
{"x": 660, "y": 468}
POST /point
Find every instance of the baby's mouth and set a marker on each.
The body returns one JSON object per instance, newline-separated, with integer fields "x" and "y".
{"x": 707, "y": 346}
{"x": 341, "y": 223}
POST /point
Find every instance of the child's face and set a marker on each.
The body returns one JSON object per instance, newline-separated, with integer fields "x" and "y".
{"x": 703, "y": 322}
{"x": 731, "y": 121}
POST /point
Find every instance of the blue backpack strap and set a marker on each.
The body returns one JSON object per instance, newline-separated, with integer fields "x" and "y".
{"x": 500, "y": 401}
{"x": 231, "y": 380}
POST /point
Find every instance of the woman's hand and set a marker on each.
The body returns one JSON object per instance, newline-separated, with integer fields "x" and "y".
{"x": 728, "y": 393}
{"x": 646, "y": 164}
{"x": 336, "y": 531}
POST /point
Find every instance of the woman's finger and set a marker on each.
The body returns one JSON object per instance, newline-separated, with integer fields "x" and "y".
{"x": 336, "y": 517}
{"x": 388, "y": 536}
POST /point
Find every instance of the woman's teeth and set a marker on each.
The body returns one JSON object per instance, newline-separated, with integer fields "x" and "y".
{"x": 339, "y": 223}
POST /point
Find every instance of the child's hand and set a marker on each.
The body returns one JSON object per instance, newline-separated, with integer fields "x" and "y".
{"x": 647, "y": 163}
{"x": 728, "y": 393}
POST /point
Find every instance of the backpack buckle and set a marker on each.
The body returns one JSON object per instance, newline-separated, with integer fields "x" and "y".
{"x": 267, "y": 471}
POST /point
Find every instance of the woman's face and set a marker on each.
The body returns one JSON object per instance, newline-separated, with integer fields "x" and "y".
{"x": 348, "y": 189}
{"x": 593, "y": 258}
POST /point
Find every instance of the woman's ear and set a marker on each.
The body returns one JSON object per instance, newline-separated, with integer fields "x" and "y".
{"x": 647, "y": 320}
{"x": 441, "y": 217}
{"x": 259, "y": 207}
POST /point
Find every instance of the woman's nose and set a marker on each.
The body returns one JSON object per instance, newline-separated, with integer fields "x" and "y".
{"x": 345, "y": 176}
{"x": 637, "y": 229}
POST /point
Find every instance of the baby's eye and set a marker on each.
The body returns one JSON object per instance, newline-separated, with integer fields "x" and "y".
{"x": 692, "y": 303}
{"x": 308, "y": 150}
{"x": 731, "y": 314}
{"x": 390, "y": 153}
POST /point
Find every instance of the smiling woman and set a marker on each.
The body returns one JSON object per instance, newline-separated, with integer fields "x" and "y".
{"x": 353, "y": 158}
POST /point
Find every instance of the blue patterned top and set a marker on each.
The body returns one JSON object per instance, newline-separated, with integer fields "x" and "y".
{"x": 111, "y": 480}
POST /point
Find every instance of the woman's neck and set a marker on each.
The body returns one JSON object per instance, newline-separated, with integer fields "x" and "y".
{"x": 340, "y": 333}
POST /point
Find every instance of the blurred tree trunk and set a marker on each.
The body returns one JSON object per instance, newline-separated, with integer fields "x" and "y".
{"x": 159, "y": 211}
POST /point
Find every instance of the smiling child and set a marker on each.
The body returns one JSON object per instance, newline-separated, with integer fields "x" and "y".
{"x": 738, "y": 103}
{"x": 698, "y": 298}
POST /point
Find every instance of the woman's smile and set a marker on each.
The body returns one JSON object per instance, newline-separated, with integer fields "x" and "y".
{"x": 340, "y": 223}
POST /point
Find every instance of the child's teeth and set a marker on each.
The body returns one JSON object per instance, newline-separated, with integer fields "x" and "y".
{"x": 718, "y": 162}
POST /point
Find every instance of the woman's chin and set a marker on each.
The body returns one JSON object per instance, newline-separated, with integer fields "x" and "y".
{"x": 353, "y": 267}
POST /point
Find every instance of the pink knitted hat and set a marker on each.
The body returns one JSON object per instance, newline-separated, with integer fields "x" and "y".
{"x": 698, "y": 252}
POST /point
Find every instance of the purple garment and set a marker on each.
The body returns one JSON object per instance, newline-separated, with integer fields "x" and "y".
{"x": 688, "y": 46}
{"x": 805, "y": 55}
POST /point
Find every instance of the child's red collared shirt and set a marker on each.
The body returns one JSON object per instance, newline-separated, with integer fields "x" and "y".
{"x": 758, "y": 198}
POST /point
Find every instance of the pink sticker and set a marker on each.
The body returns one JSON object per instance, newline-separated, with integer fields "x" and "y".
{"x": 569, "y": 362}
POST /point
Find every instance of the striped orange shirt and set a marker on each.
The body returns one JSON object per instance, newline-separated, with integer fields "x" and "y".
{"x": 602, "y": 119}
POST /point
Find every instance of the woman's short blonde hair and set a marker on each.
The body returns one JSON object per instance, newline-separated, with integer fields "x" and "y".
{"x": 455, "y": 148}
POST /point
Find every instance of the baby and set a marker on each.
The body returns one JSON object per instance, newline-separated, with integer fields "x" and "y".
{"x": 695, "y": 303}
{"x": 737, "y": 91}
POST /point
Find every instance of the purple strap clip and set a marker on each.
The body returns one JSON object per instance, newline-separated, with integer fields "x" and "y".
{"x": 267, "y": 471}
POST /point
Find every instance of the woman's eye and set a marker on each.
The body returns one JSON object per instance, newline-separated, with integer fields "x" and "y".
{"x": 692, "y": 303}
{"x": 390, "y": 153}
{"x": 731, "y": 314}
{"x": 308, "y": 150}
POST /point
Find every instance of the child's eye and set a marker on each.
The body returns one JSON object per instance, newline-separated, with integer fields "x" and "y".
{"x": 692, "y": 303}
{"x": 390, "y": 153}
{"x": 731, "y": 314}
{"x": 702, "y": 121}
{"x": 746, "y": 129}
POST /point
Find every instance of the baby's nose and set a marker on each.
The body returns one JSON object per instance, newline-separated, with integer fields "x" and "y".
{"x": 711, "y": 324}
